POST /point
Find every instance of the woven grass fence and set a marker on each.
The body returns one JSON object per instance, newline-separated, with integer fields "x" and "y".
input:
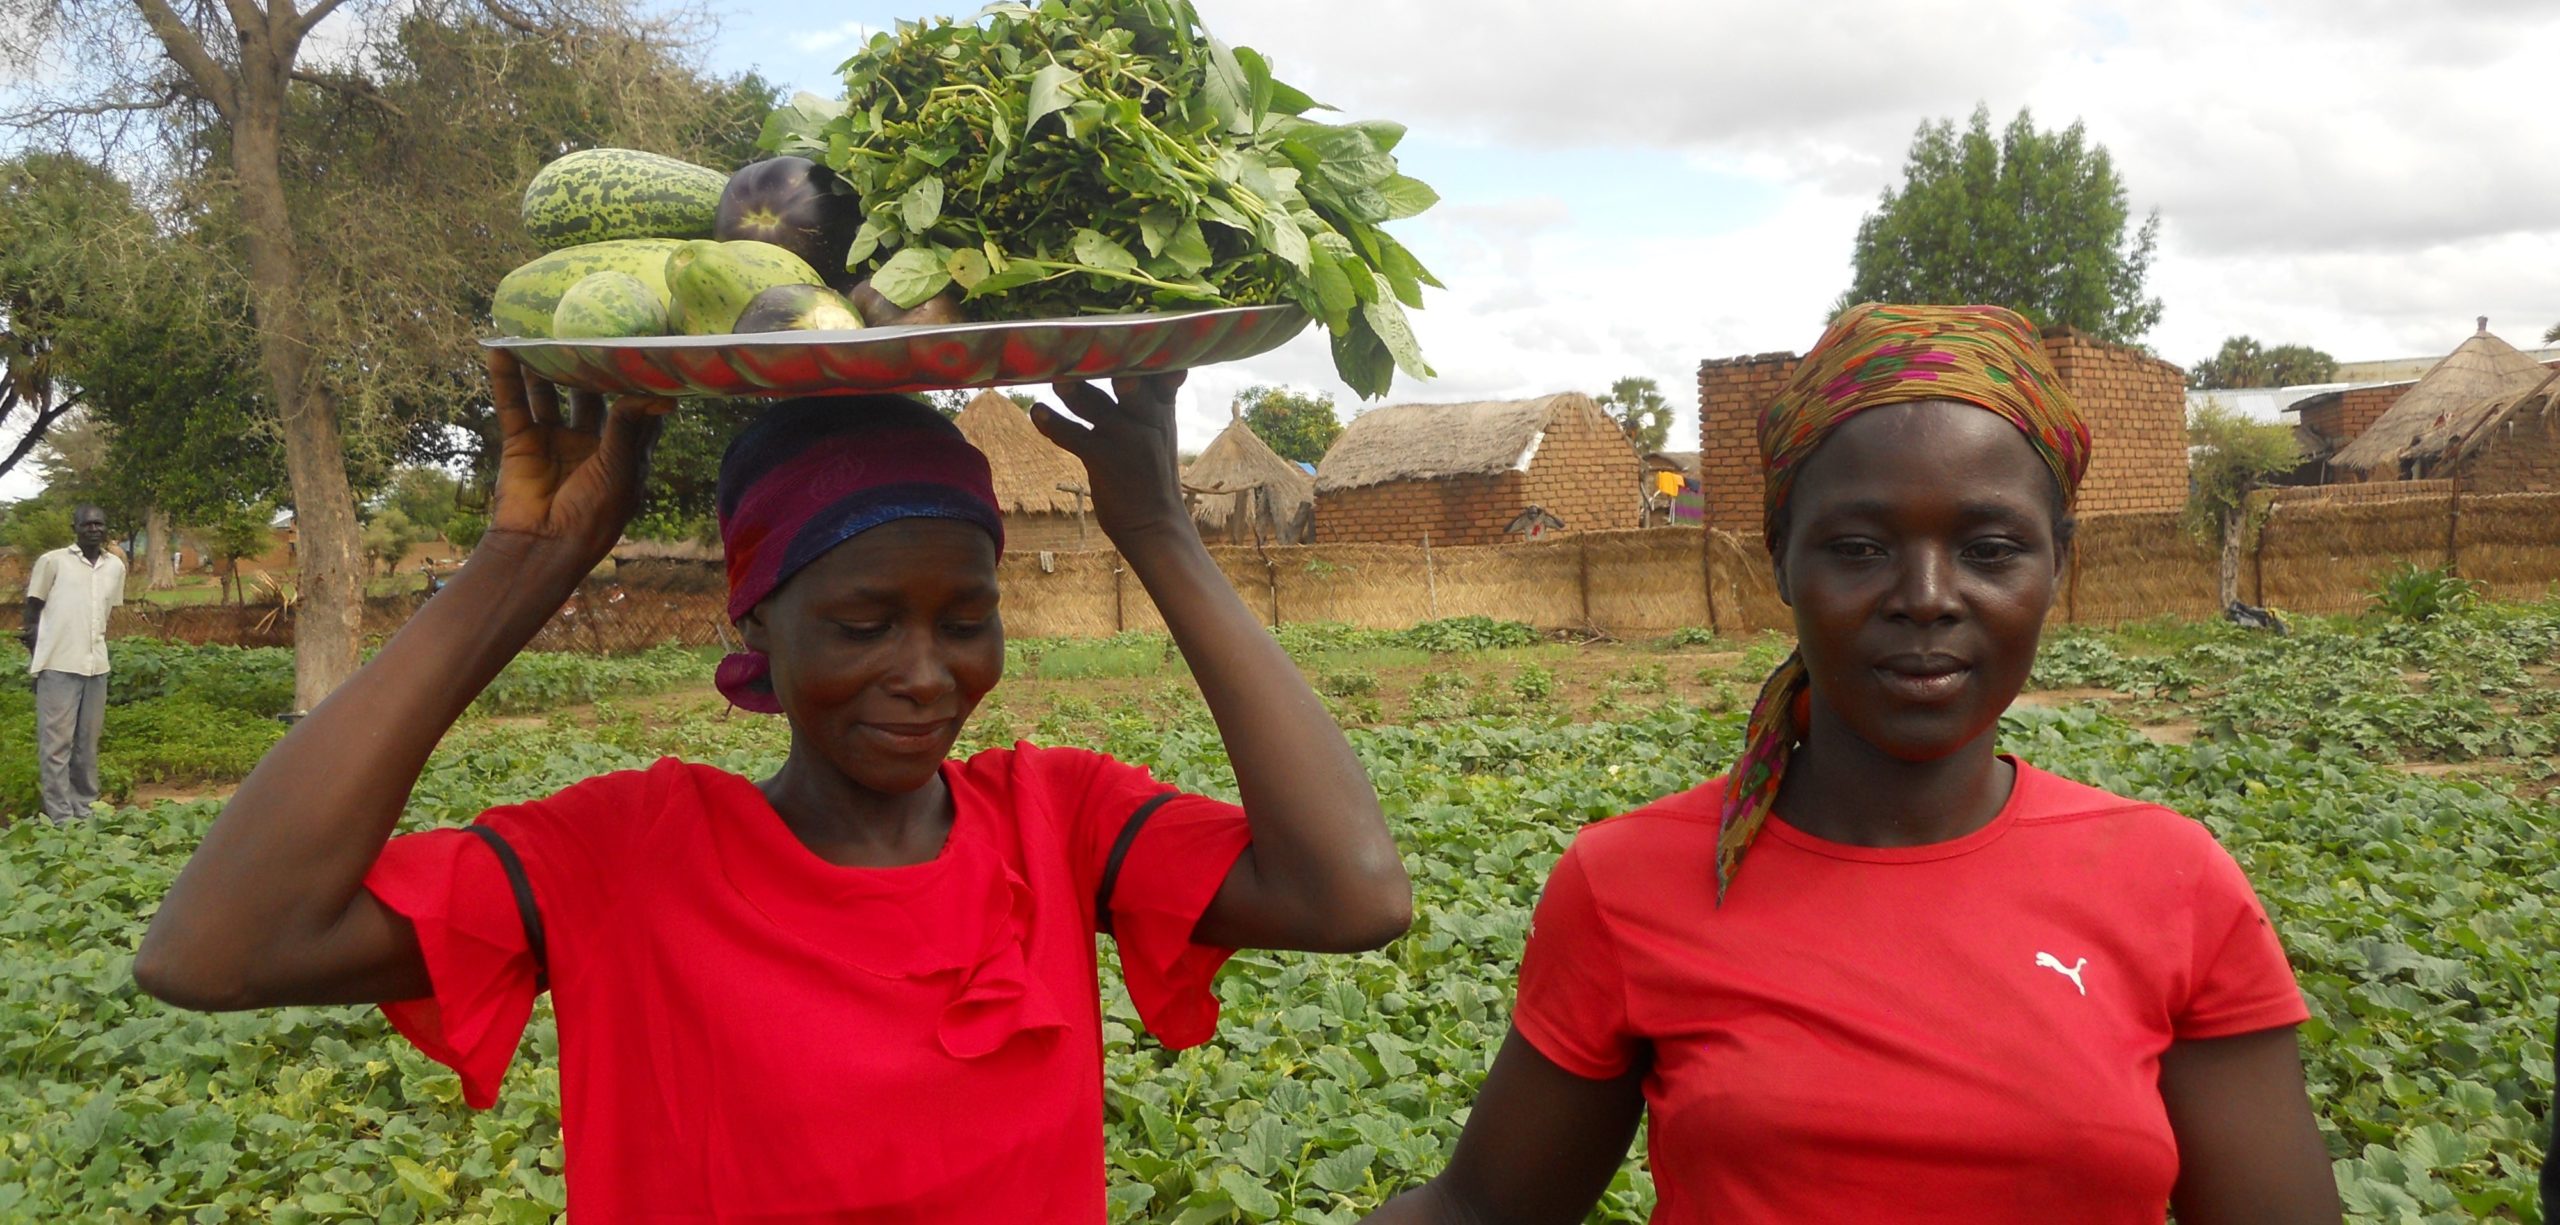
{"x": 2311, "y": 556}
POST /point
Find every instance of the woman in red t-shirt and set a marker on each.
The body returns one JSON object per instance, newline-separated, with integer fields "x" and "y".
{"x": 1944, "y": 986}
{"x": 865, "y": 987}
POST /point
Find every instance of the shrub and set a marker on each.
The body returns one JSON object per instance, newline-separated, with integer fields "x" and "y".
{"x": 2410, "y": 592}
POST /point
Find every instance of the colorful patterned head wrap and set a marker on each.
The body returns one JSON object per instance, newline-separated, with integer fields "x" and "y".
{"x": 1873, "y": 356}
{"x": 811, "y": 474}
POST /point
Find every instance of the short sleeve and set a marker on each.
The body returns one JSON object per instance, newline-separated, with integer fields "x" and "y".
{"x": 1573, "y": 992}
{"x": 1170, "y": 870}
{"x": 450, "y": 886}
{"x": 2239, "y": 982}
{"x": 115, "y": 590}
{"x": 40, "y": 577}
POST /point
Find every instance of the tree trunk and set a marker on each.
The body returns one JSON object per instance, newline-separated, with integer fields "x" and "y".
{"x": 2228, "y": 579}
{"x": 326, "y": 641}
{"x": 157, "y": 544}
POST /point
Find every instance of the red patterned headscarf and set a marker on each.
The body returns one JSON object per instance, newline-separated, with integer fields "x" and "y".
{"x": 809, "y": 475}
{"x": 1873, "y": 356}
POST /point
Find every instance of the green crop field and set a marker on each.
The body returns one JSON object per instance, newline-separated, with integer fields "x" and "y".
{"x": 2386, "y": 782}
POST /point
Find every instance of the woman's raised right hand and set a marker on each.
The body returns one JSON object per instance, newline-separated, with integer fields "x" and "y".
{"x": 568, "y": 481}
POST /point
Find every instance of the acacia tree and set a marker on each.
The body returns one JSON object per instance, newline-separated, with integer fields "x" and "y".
{"x": 63, "y": 220}
{"x": 363, "y": 198}
{"x": 1640, "y": 409}
{"x": 2031, "y": 220}
{"x": 2241, "y": 362}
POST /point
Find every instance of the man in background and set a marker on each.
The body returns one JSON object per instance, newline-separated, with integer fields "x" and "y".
{"x": 69, "y": 593}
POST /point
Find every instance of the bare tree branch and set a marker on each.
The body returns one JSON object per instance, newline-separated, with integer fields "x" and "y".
{"x": 217, "y": 86}
{"x": 516, "y": 20}
{"x": 302, "y": 25}
{"x": 36, "y": 432}
{"x": 37, "y": 116}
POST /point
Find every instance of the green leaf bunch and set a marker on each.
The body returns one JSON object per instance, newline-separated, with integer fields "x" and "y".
{"x": 1109, "y": 156}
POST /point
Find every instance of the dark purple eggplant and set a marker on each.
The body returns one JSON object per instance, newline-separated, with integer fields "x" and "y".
{"x": 878, "y": 311}
{"x": 797, "y": 205}
{"x": 797, "y": 308}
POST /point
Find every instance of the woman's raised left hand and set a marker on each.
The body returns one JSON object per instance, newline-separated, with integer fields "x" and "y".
{"x": 1128, "y": 449}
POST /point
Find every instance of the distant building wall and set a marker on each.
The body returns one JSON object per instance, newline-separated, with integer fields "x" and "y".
{"x": 2136, "y": 405}
{"x": 1731, "y": 393}
{"x": 1585, "y": 473}
{"x": 1051, "y": 532}
{"x": 2521, "y": 455}
{"x": 1453, "y": 510}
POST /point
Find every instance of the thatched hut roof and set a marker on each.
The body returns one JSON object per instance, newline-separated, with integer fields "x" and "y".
{"x": 2483, "y": 376}
{"x": 1430, "y": 442}
{"x": 1029, "y": 469}
{"x": 1231, "y": 468}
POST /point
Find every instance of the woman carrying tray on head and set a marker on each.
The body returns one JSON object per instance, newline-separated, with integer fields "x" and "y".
{"x": 1942, "y": 986}
{"x": 862, "y": 988}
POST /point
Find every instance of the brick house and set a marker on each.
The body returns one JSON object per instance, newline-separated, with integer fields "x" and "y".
{"x": 2135, "y": 403}
{"x": 2482, "y": 416}
{"x": 1040, "y": 490}
{"x": 1464, "y": 473}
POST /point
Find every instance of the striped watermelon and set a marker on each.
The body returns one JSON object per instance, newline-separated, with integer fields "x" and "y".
{"x": 596, "y": 195}
{"x": 527, "y": 297}
{"x": 608, "y": 305}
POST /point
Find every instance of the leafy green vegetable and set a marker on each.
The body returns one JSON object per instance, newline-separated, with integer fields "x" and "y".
{"x": 1084, "y": 156}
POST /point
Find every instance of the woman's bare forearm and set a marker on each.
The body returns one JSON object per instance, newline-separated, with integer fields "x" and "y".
{"x": 256, "y": 914}
{"x": 1323, "y": 873}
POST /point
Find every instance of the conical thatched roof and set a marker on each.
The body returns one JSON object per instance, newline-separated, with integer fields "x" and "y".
{"x": 1226, "y": 476}
{"x": 2481, "y": 376}
{"x": 1028, "y": 467}
{"x": 1429, "y": 442}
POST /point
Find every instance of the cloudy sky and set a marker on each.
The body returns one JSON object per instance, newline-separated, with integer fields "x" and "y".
{"x": 1641, "y": 184}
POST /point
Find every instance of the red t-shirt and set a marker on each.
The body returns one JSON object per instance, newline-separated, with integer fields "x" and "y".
{"x": 748, "y": 1032}
{"x": 1964, "y": 1032}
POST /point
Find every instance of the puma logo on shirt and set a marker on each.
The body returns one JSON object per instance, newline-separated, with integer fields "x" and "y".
{"x": 2053, "y": 963}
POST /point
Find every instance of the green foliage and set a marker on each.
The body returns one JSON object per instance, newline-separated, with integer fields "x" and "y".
{"x": 235, "y": 532}
{"x": 428, "y": 496}
{"x": 2031, "y": 220}
{"x": 2242, "y": 363}
{"x": 38, "y": 526}
{"x": 2229, "y": 454}
{"x": 1638, "y": 406}
{"x": 2411, "y": 592}
{"x": 389, "y": 535}
{"x": 1196, "y": 178}
{"x": 541, "y": 680}
{"x": 1473, "y": 633}
{"x": 466, "y": 528}
{"x": 1299, "y": 425}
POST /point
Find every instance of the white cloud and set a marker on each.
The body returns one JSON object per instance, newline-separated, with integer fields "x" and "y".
{"x": 844, "y": 37}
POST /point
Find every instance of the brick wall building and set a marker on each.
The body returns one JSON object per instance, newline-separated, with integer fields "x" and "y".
{"x": 2338, "y": 416}
{"x": 2519, "y": 452}
{"x": 2136, "y": 405}
{"x": 1463, "y": 472}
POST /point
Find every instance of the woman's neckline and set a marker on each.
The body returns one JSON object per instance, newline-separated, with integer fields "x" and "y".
{"x": 1962, "y": 844}
{"x": 772, "y": 817}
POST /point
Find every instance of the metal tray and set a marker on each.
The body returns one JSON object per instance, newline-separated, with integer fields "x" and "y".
{"x": 929, "y": 357}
